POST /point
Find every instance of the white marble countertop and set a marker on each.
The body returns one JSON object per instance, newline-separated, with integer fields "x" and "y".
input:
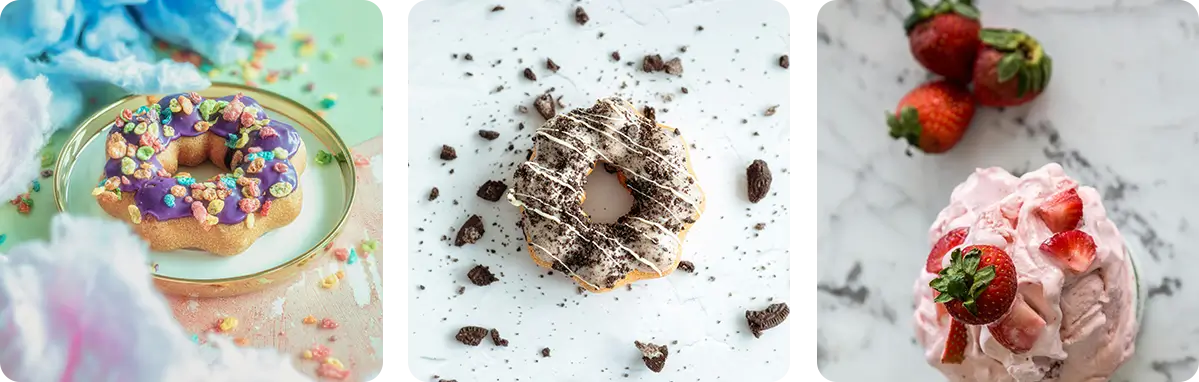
{"x": 1119, "y": 115}
{"x": 731, "y": 74}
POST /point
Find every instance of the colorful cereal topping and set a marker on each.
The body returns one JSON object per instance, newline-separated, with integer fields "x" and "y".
{"x": 281, "y": 189}
{"x": 135, "y": 214}
{"x": 323, "y": 157}
{"x": 353, "y": 258}
{"x": 370, "y": 246}
{"x": 342, "y": 254}
{"x": 309, "y": 320}
{"x": 128, "y": 166}
{"x": 216, "y": 206}
{"x": 169, "y": 200}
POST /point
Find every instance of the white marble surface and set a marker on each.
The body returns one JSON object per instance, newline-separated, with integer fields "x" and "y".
{"x": 1119, "y": 115}
{"x": 731, "y": 73}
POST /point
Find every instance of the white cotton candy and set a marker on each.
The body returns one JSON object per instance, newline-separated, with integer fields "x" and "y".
{"x": 25, "y": 110}
{"x": 82, "y": 308}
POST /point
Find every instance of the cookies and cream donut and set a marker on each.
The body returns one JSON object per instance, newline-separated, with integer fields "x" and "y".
{"x": 653, "y": 164}
{"x": 224, "y": 214}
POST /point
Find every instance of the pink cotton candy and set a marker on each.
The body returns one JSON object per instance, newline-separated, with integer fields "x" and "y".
{"x": 66, "y": 306}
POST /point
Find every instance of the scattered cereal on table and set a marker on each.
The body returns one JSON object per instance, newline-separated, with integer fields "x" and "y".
{"x": 369, "y": 246}
{"x": 352, "y": 258}
{"x": 329, "y": 282}
{"x": 228, "y": 324}
{"x": 328, "y": 323}
{"x": 309, "y": 320}
{"x": 342, "y": 254}
{"x": 340, "y": 274}
{"x": 330, "y": 371}
{"x": 37, "y": 187}
{"x": 329, "y": 100}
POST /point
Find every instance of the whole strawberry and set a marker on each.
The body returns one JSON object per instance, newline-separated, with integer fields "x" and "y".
{"x": 933, "y": 116}
{"x": 1012, "y": 68}
{"x": 978, "y": 286}
{"x": 944, "y": 38}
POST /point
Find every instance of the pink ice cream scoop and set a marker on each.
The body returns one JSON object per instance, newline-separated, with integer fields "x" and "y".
{"x": 1075, "y": 314}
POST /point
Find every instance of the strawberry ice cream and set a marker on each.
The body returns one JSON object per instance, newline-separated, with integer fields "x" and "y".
{"x": 1075, "y": 313}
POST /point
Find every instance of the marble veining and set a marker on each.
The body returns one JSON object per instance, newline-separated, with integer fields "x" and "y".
{"x": 1118, "y": 115}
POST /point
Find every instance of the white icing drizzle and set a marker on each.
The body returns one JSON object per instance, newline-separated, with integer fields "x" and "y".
{"x": 610, "y": 131}
{"x": 564, "y": 266}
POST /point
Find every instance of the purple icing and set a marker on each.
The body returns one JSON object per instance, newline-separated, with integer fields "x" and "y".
{"x": 151, "y": 192}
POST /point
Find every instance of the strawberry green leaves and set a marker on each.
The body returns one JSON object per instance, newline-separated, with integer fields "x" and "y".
{"x": 922, "y": 12}
{"x": 1024, "y": 60}
{"x": 962, "y": 280}
{"x": 906, "y": 125}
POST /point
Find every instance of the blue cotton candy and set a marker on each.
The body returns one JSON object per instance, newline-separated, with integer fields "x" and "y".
{"x": 209, "y": 27}
{"x": 91, "y": 46}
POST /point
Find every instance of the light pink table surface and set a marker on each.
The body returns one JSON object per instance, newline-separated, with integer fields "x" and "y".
{"x": 274, "y": 317}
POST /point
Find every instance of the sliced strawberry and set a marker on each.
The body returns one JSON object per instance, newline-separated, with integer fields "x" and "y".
{"x": 952, "y": 239}
{"x": 1073, "y": 250}
{"x": 955, "y": 345}
{"x": 1061, "y": 212}
{"x": 1019, "y": 330}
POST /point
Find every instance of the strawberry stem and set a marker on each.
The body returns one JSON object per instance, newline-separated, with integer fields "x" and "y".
{"x": 962, "y": 280}
{"x": 906, "y": 125}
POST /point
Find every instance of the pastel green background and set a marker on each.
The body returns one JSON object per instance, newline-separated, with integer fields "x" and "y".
{"x": 346, "y": 29}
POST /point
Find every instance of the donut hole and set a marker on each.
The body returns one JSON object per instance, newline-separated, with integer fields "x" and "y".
{"x": 205, "y": 170}
{"x": 605, "y": 198}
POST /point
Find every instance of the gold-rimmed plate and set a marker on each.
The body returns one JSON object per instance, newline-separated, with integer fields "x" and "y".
{"x": 277, "y": 255}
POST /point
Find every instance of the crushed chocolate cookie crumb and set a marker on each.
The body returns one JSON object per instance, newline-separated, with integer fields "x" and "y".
{"x": 674, "y": 67}
{"x": 771, "y": 110}
{"x": 760, "y": 226}
{"x": 558, "y": 101}
{"x": 492, "y": 190}
{"x": 687, "y": 266}
{"x": 684, "y": 90}
{"x": 468, "y": 57}
{"x": 522, "y": 109}
{"x": 785, "y": 61}
{"x": 530, "y": 75}
{"x": 699, "y": 28}
{"x": 434, "y": 193}
{"x": 481, "y": 276}
{"x": 652, "y": 63}
{"x": 759, "y": 178}
{"x": 770, "y": 317}
{"x": 545, "y": 106}
{"x": 650, "y": 113}
{"x": 497, "y": 8}
{"x": 470, "y": 232}
{"x": 581, "y": 16}
{"x": 495, "y": 338}
{"x": 490, "y": 135}
{"x": 448, "y": 153}
{"x": 549, "y": 64}
{"x": 545, "y": 352}
{"x": 615, "y": 56}
{"x": 461, "y": 290}
{"x": 471, "y": 335}
{"x": 654, "y": 356}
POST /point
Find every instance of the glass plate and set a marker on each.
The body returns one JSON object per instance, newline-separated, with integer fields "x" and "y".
{"x": 274, "y": 257}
